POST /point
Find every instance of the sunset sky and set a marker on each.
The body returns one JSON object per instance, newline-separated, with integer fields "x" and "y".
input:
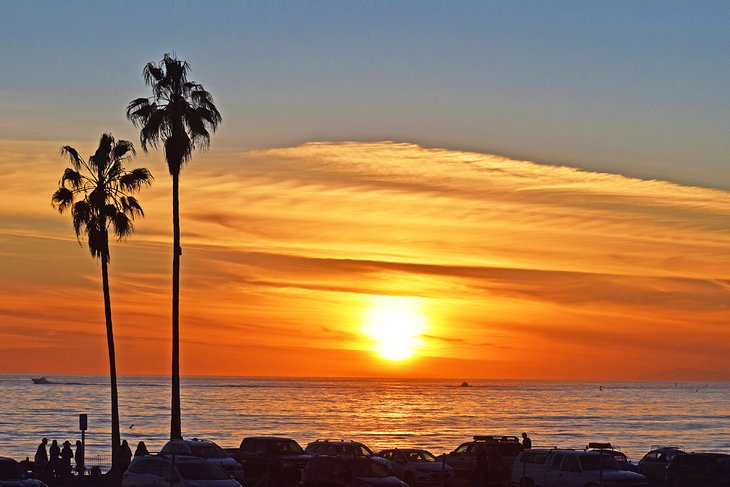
{"x": 413, "y": 189}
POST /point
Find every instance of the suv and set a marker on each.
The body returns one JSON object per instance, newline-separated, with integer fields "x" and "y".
{"x": 282, "y": 458}
{"x": 207, "y": 450}
{"x": 699, "y": 470}
{"x": 571, "y": 468}
{"x": 349, "y": 471}
{"x": 654, "y": 464}
{"x": 181, "y": 471}
{"x": 497, "y": 452}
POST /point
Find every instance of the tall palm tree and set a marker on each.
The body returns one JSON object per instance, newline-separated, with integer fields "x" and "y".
{"x": 181, "y": 115}
{"x": 98, "y": 191}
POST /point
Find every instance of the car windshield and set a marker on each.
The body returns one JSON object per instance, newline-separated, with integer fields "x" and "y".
{"x": 284, "y": 447}
{"x": 420, "y": 456}
{"x": 207, "y": 450}
{"x": 201, "y": 471}
{"x": 11, "y": 470}
{"x": 365, "y": 467}
{"x": 345, "y": 449}
{"x": 598, "y": 462}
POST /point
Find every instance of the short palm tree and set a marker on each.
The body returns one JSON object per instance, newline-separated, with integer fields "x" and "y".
{"x": 181, "y": 115}
{"x": 98, "y": 191}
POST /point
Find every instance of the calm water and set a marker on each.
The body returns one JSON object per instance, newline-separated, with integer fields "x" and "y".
{"x": 435, "y": 414}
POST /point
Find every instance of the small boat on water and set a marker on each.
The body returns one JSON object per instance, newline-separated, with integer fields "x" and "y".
{"x": 464, "y": 384}
{"x": 40, "y": 380}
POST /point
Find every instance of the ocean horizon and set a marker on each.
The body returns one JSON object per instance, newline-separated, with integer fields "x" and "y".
{"x": 436, "y": 414}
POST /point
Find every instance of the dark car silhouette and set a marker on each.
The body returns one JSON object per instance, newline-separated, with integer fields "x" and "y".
{"x": 344, "y": 471}
{"x": 699, "y": 470}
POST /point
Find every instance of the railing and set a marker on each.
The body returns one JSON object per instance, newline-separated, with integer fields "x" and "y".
{"x": 102, "y": 462}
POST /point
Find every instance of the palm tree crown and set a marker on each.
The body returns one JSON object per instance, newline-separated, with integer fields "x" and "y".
{"x": 102, "y": 184}
{"x": 180, "y": 113}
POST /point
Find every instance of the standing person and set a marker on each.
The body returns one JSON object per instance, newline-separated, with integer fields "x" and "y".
{"x": 55, "y": 457}
{"x": 66, "y": 455}
{"x": 79, "y": 457}
{"x": 125, "y": 456}
{"x": 141, "y": 450}
{"x": 526, "y": 441}
{"x": 41, "y": 457}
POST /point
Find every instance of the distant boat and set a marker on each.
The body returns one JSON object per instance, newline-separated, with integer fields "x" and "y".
{"x": 40, "y": 380}
{"x": 463, "y": 384}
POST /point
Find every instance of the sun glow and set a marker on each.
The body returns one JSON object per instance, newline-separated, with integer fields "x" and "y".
{"x": 395, "y": 325}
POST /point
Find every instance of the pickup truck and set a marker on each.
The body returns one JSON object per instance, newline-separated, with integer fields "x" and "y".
{"x": 280, "y": 459}
{"x": 571, "y": 468}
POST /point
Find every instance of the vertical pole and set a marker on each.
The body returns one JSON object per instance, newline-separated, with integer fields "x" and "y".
{"x": 83, "y": 452}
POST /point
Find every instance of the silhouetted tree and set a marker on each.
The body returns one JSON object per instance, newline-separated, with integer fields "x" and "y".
{"x": 98, "y": 191}
{"x": 179, "y": 114}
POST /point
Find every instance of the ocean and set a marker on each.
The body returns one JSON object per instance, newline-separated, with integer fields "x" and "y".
{"x": 434, "y": 414}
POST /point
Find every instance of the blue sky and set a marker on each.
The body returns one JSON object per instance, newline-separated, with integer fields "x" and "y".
{"x": 637, "y": 88}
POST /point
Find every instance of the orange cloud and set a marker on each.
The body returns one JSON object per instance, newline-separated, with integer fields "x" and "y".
{"x": 520, "y": 265}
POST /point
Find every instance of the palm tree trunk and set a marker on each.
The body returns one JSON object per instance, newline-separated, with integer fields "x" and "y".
{"x": 112, "y": 358}
{"x": 175, "y": 421}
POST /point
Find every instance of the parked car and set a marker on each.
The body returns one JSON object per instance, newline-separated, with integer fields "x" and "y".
{"x": 282, "y": 458}
{"x": 418, "y": 467}
{"x": 207, "y": 450}
{"x": 465, "y": 458}
{"x": 347, "y": 471}
{"x": 338, "y": 448}
{"x": 12, "y": 474}
{"x": 654, "y": 464}
{"x": 571, "y": 468}
{"x": 180, "y": 470}
{"x": 698, "y": 470}
{"x": 621, "y": 459}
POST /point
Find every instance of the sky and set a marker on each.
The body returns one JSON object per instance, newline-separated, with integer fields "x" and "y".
{"x": 412, "y": 189}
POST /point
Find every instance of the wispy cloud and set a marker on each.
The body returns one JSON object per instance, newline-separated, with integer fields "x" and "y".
{"x": 519, "y": 263}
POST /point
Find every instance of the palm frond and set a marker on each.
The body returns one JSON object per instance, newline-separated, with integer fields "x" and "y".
{"x": 73, "y": 155}
{"x": 72, "y": 176}
{"x": 156, "y": 128}
{"x": 97, "y": 240}
{"x": 151, "y": 74}
{"x": 81, "y": 215}
{"x": 131, "y": 207}
{"x": 134, "y": 179}
{"x": 62, "y": 199}
{"x": 122, "y": 224}
{"x": 123, "y": 149}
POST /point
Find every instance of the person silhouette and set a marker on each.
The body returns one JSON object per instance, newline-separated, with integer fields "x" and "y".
{"x": 125, "y": 455}
{"x": 41, "y": 457}
{"x": 526, "y": 441}
{"x": 79, "y": 457}
{"x": 66, "y": 455}
{"x": 141, "y": 450}
{"x": 54, "y": 457}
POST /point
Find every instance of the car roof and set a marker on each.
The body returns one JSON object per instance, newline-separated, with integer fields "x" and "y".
{"x": 165, "y": 457}
{"x": 6, "y": 459}
{"x": 334, "y": 442}
{"x": 405, "y": 450}
{"x": 271, "y": 438}
{"x": 191, "y": 440}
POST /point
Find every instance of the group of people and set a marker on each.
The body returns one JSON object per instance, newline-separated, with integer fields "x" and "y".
{"x": 56, "y": 461}
{"x": 125, "y": 453}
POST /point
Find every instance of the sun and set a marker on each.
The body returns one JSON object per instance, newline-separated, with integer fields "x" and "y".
{"x": 395, "y": 325}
